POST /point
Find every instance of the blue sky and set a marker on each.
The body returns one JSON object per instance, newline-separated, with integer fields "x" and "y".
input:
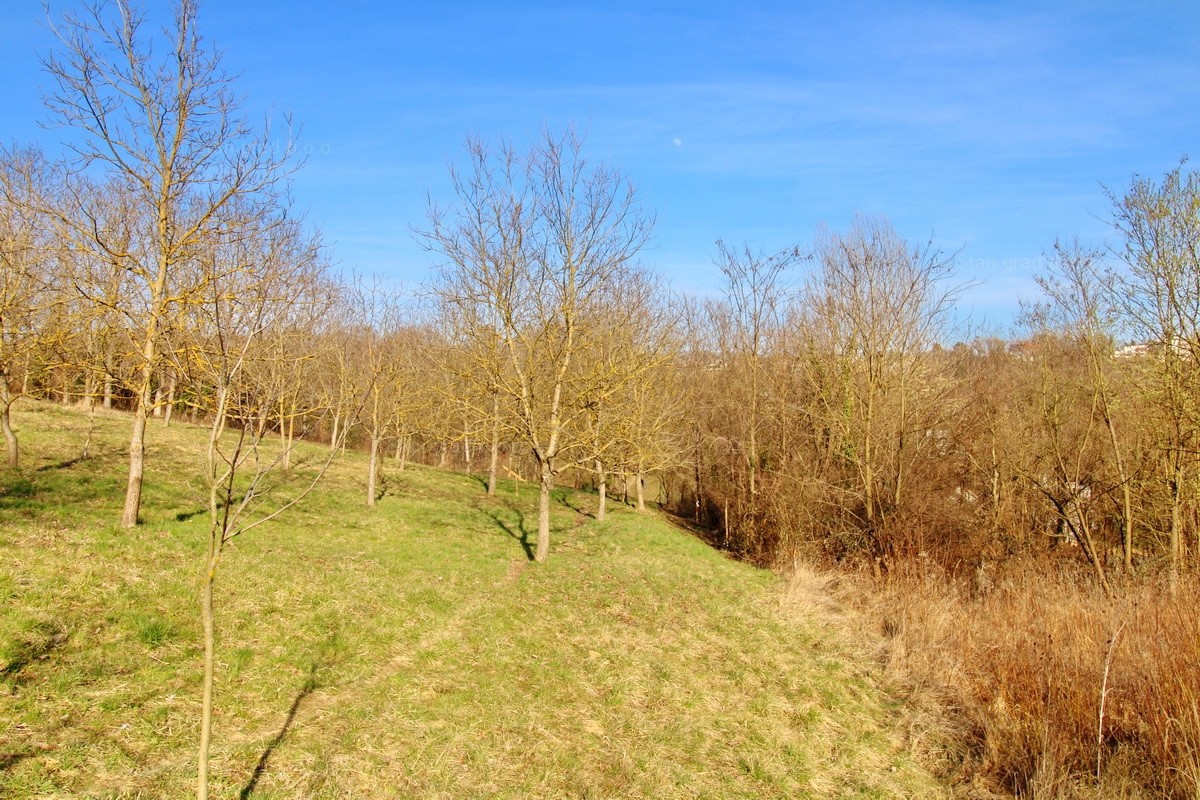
{"x": 990, "y": 127}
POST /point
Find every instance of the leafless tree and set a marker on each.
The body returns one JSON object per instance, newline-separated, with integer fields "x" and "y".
{"x": 163, "y": 124}
{"x": 530, "y": 244}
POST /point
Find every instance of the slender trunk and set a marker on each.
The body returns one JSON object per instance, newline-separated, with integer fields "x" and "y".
{"x": 494, "y": 454}
{"x": 443, "y": 455}
{"x": 137, "y": 439}
{"x": 1176, "y": 522}
{"x": 159, "y": 394}
{"x": 1126, "y": 492}
{"x": 641, "y": 490}
{"x": 602, "y": 490}
{"x": 89, "y": 390}
{"x": 10, "y": 438}
{"x": 291, "y": 437}
{"x": 404, "y": 451}
{"x": 543, "y": 539}
{"x": 168, "y": 398}
{"x": 373, "y": 470}
{"x": 137, "y": 465}
{"x": 208, "y": 617}
{"x": 286, "y": 460}
{"x": 333, "y": 437}
{"x": 108, "y": 378}
{"x": 1083, "y": 533}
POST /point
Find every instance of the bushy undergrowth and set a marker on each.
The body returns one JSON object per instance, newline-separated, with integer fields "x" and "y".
{"x": 1035, "y": 684}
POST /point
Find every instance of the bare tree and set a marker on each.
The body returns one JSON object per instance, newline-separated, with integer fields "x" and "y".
{"x": 379, "y": 358}
{"x": 530, "y": 244}
{"x": 163, "y": 124}
{"x": 746, "y": 323}
{"x": 1082, "y": 307}
{"x": 258, "y": 282}
{"x": 1159, "y": 295}
{"x": 877, "y": 304}
{"x": 26, "y": 254}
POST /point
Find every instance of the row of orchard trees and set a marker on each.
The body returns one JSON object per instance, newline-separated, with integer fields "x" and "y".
{"x": 832, "y": 415}
{"x": 157, "y": 266}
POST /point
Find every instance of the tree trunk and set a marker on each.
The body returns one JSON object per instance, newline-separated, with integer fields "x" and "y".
{"x": 208, "y": 617}
{"x": 1176, "y": 523}
{"x": 373, "y": 470}
{"x": 169, "y": 400}
{"x": 641, "y": 491}
{"x": 494, "y": 454}
{"x": 602, "y": 489}
{"x": 89, "y": 390}
{"x": 333, "y": 437}
{"x": 159, "y": 393}
{"x": 108, "y": 378}
{"x": 543, "y": 539}
{"x": 137, "y": 465}
{"x": 10, "y": 437}
{"x": 286, "y": 457}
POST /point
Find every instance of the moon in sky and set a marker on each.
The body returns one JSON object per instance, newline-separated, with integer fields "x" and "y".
{"x": 677, "y": 141}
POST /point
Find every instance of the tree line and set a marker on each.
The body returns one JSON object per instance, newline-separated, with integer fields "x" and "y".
{"x": 828, "y": 401}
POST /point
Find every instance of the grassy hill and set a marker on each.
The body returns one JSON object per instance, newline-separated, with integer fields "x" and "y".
{"x": 408, "y": 651}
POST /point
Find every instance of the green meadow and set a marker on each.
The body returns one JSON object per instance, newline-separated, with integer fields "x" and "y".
{"x": 412, "y": 650}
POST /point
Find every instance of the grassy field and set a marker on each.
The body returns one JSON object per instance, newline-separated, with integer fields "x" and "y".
{"x": 408, "y": 651}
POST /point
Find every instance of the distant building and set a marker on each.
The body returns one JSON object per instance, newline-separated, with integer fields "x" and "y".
{"x": 1133, "y": 351}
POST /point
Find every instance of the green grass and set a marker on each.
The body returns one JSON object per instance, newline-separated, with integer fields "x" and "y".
{"x": 408, "y": 651}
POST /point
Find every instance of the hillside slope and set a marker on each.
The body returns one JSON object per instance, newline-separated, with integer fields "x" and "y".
{"x": 408, "y": 651}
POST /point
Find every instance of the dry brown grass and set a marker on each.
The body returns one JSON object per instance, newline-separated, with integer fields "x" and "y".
{"x": 1003, "y": 687}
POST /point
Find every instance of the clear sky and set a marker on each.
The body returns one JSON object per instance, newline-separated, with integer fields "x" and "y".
{"x": 990, "y": 127}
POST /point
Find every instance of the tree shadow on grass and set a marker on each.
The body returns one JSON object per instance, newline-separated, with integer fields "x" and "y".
{"x": 326, "y": 657}
{"x": 10, "y": 760}
{"x": 576, "y": 507}
{"x": 520, "y": 532}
